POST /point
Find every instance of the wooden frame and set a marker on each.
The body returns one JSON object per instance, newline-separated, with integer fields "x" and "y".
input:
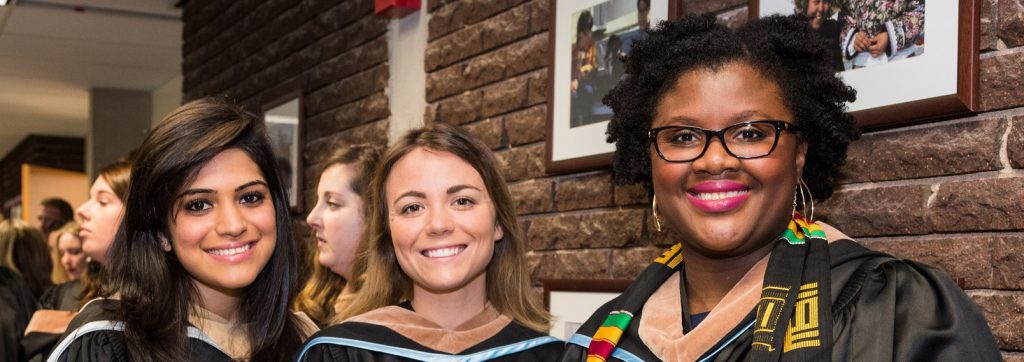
{"x": 286, "y": 130}
{"x": 583, "y": 295}
{"x": 922, "y": 97}
{"x": 576, "y": 119}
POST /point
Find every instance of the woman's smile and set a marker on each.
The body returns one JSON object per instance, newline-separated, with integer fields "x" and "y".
{"x": 718, "y": 196}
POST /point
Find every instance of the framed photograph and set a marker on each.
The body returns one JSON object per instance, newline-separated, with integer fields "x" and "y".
{"x": 283, "y": 117}
{"x": 572, "y": 301}
{"x": 909, "y": 60}
{"x": 588, "y": 39}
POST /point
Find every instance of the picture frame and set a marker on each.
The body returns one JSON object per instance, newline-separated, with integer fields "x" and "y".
{"x": 578, "y": 79}
{"x": 936, "y": 78}
{"x": 572, "y": 301}
{"x": 284, "y": 120}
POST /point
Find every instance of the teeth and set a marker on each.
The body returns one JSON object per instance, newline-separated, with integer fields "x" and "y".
{"x": 444, "y": 252}
{"x": 713, "y": 196}
{"x": 232, "y": 251}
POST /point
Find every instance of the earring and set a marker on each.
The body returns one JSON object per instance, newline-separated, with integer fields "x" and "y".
{"x": 808, "y": 199}
{"x": 166, "y": 245}
{"x": 654, "y": 213}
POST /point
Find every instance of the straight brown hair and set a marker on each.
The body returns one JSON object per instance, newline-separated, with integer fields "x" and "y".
{"x": 508, "y": 287}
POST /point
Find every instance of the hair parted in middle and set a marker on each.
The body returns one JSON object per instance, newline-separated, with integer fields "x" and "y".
{"x": 508, "y": 287}
{"x": 157, "y": 293}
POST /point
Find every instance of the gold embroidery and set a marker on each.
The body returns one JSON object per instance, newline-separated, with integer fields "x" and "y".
{"x": 769, "y": 308}
{"x": 671, "y": 257}
{"x": 803, "y": 330}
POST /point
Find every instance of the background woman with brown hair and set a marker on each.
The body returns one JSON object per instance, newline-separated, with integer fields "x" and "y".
{"x": 444, "y": 259}
{"x": 338, "y": 219}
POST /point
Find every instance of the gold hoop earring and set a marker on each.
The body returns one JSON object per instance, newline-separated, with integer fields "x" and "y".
{"x": 654, "y": 213}
{"x": 808, "y": 199}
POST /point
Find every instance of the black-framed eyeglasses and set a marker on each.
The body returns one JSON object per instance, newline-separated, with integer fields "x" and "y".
{"x": 743, "y": 140}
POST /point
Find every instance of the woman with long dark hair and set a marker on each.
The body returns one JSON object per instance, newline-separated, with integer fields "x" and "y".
{"x": 204, "y": 264}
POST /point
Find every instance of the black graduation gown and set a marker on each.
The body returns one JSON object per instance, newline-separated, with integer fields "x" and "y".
{"x": 884, "y": 309}
{"x": 96, "y": 335}
{"x": 17, "y": 305}
{"x": 64, "y": 296}
{"x": 357, "y": 341}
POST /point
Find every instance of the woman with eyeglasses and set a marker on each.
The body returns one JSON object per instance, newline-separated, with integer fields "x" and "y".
{"x": 735, "y": 133}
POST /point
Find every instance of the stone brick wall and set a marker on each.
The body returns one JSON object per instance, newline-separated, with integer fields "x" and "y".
{"x": 333, "y": 52}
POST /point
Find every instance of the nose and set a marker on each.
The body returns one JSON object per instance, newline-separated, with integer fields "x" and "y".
{"x": 80, "y": 211}
{"x": 66, "y": 260}
{"x": 716, "y": 160}
{"x": 231, "y": 222}
{"x": 440, "y": 222}
{"x": 314, "y": 219}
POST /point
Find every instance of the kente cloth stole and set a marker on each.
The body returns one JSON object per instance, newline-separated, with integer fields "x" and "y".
{"x": 795, "y": 293}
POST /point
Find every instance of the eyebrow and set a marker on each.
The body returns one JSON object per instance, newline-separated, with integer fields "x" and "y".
{"x": 211, "y": 191}
{"x": 457, "y": 188}
{"x": 741, "y": 117}
{"x": 451, "y": 190}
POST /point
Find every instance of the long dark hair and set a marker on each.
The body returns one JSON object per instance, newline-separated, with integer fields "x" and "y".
{"x": 157, "y": 293}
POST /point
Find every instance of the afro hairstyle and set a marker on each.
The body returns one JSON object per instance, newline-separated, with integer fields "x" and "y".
{"x": 783, "y": 49}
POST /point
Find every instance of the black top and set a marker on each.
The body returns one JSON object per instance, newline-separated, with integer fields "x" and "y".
{"x": 65, "y": 296}
{"x": 17, "y": 304}
{"x": 884, "y": 309}
{"x": 96, "y": 335}
{"x": 357, "y": 341}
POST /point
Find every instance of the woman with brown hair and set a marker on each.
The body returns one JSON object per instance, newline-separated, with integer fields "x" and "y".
{"x": 204, "y": 265}
{"x": 444, "y": 255}
{"x": 338, "y": 219}
{"x": 100, "y": 215}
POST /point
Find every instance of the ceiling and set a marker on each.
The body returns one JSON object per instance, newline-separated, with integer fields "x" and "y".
{"x": 53, "y": 51}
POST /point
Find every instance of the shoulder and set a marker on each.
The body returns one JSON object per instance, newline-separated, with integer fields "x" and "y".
{"x": 93, "y": 335}
{"x": 881, "y": 300}
{"x": 62, "y": 296}
{"x": 516, "y": 342}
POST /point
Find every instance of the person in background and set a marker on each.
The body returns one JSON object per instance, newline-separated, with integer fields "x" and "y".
{"x": 819, "y": 16}
{"x": 17, "y": 304}
{"x": 338, "y": 219}
{"x": 24, "y": 251}
{"x": 204, "y": 264}
{"x": 100, "y": 216}
{"x": 53, "y": 214}
{"x": 643, "y": 14}
{"x": 444, "y": 255}
{"x": 69, "y": 249}
{"x": 734, "y": 134}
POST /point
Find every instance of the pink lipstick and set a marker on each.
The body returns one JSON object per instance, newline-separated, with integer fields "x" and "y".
{"x": 718, "y": 196}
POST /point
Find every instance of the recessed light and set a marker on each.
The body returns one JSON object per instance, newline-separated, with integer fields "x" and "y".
{"x": 3, "y": 2}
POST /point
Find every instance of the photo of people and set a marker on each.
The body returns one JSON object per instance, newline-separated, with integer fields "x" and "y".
{"x": 866, "y": 33}
{"x": 602, "y": 38}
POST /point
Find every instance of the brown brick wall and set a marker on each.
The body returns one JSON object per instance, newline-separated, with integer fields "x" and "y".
{"x": 333, "y": 52}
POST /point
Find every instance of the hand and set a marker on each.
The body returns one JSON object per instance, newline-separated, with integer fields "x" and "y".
{"x": 879, "y": 44}
{"x": 861, "y": 42}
